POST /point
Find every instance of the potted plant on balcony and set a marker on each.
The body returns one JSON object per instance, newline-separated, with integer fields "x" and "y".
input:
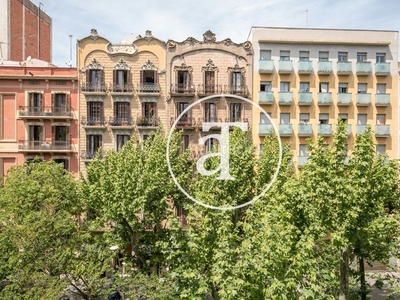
{"x": 143, "y": 121}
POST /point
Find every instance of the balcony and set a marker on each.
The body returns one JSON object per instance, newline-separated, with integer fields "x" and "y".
{"x": 266, "y": 98}
{"x": 241, "y": 90}
{"x": 285, "y": 129}
{"x": 265, "y": 129}
{"x": 324, "y": 99}
{"x": 344, "y": 68}
{"x": 382, "y": 130}
{"x": 304, "y": 98}
{"x": 266, "y": 66}
{"x": 304, "y": 130}
{"x": 88, "y": 155}
{"x": 148, "y": 88}
{"x": 344, "y": 99}
{"x": 206, "y": 90}
{"x": 301, "y": 161}
{"x": 184, "y": 123}
{"x": 90, "y": 88}
{"x": 126, "y": 88}
{"x": 382, "y": 99}
{"x": 285, "y": 67}
{"x": 363, "y": 99}
{"x": 382, "y": 69}
{"x": 147, "y": 122}
{"x": 325, "y": 129}
{"x": 285, "y": 98}
{"x": 44, "y": 146}
{"x": 325, "y": 68}
{"x": 93, "y": 122}
{"x": 181, "y": 89}
{"x": 305, "y": 67}
{"x": 119, "y": 122}
{"x": 363, "y": 68}
{"x": 361, "y": 128}
{"x": 44, "y": 112}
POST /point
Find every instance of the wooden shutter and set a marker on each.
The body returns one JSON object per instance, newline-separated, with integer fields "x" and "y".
{"x": 155, "y": 76}
{"x": 102, "y": 80}
{"x": 40, "y": 99}
{"x": 53, "y": 133}
{"x": 52, "y": 99}
{"x": 115, "y": 78}
{"x": 141, "y": 77}
{"x": 67, "y": 100}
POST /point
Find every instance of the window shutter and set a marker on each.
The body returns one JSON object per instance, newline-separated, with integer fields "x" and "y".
{"x": 128, "y": 77}
{"x": 40, "y": 99}
{"x": 87, "y": 76}
{"x": 155, "y": 76}
{"x": 53, "y": 133}
{"x": 141, "y": 76}
{"x": 67, "y": 100}
{"x": 115, "y": 78}
{"x": 52, "y": 99}
{"x": 100, "y": 141}
{"x": 102, "y": 80}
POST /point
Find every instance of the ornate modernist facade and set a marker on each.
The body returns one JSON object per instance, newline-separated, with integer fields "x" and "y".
{"x": 307, "y": 79}
{"x": 122, "y": 91}
{"x": 200, "y": 69}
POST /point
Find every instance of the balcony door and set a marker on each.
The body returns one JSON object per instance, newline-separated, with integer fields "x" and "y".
{"x": 209, "y": 81}
{"x": 35, "y": 133}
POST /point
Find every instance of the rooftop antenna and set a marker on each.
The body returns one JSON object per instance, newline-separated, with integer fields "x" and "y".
{"x": 306, "y": 17}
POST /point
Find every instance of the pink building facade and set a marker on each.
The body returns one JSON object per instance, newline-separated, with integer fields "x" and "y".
{"x": 38, "y": 114}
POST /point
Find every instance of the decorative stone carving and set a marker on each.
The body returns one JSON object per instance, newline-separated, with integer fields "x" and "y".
{"x": 93, "y": 34}
{"x": 95, "y": 98}
{"x": 171, "y": 45}
{"x": 122, "y": 65}
{"x": 210, "y": 66}
{"x": 148, "y": 35}
{"x": 209, "y": 37}
{"x": 147, "y": 98}
{"x": 120, "y": 49}
{"x": 183, "y": 67}
{"x": 122, "y": 98}
{"x": 236, "y": 68}
{"x": 149, "y": 66}
{"x": 248, "y": 47}
{"x": 94, "y": 65}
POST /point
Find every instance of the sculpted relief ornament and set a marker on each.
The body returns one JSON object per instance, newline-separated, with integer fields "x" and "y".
{"x": 114, "y": 49}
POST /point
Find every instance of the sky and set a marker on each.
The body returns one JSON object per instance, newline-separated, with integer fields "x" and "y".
{"x": 179, "y": 19}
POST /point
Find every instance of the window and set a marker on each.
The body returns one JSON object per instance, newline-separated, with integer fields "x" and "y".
{"x": 304, "y": 55}
{"x": 362, "y": 119}
{"x": 323, "y": 56}
{"x": 95, "y": 78}
{"x": 181, "y": 106}
{"x": 284, "y": 55}
{"x": 35, "y": 100}
{"x": 304, "y": 118}
{"x": 210, "y": 144}
{"x": 94, "y": 111}
{"x": 323, "y": 118}
{"x": 121, "y": 140}
{"x": 35, "y": 132}
{"x": 264, "y": 119}
{"x": 236, "y": 82}
{"x": 266, "y": 86}
{"x": 380, "y": 149}
{"x": 60, "y": 133}
{"x": 63, "y": 161}
{"x": 342, "y": 56}
{"x": 303, "y": 150}
{"x": 184, "y": 81}
{"x": 122, "y": 110}
{"x": 59, "y": 100}
{"x": 148, "y": 77}
{"x": 362, "y": 88}
{"x": 284, "y": 87}
{"x": 304, "y": 87}
{"x": 209, "y": 81}
{"x": 380, "y": 57}
{"x": 149, "y": 109}
{"x": 265, "y": 54}
{"x": 361, "y": 56}
{"x": 343, "y": 117}
{"x": 234, "y": 112}
{"x": 185, "y": 142}
{"x": 93, "y": 143}
{"x": 342, "y": 87}
{"x": 210, "y": 112}
{"x": 381, "y": 88}
{"x": 285, "y": 118}
{"x": 323, "y": 87}
{"x": 120, "y": 79}
{"x": 380, "y": 119}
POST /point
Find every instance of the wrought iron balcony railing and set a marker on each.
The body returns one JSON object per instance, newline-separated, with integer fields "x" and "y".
{"x": 94, "y": 87}
{"x": 148, "y": 88}
{"x": 119, "y": 121}
{"x": 44, "y": 111}
{"x": 209, "y": 89}
{"x": 236, "y": 90}
{"x": 184, "y": 122}
{"x": 121, "y": 88}
{"x": 93, "y": 121}
{"x": 182, "y": 88}
{"x": 89, "y": 154}
{"x": 145, "y": 121}
{"x": 42, "y": 145}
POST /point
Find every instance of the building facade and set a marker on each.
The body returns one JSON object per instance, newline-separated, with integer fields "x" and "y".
{"x": 206, "y": 69}
{"x": 38, "y": 109}
{"x": 307, "y": 79}
{"x": 25, "y": 31}
{"x": 122, "y": 91}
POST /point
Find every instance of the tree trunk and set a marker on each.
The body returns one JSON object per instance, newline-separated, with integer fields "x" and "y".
{"x": 363, "y": 286}
{"x": 344, "y": 274}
